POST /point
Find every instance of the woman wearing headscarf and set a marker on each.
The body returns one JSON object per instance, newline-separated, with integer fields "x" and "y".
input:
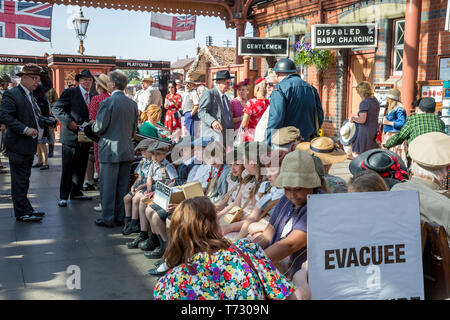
{"x": 238, "y": 103}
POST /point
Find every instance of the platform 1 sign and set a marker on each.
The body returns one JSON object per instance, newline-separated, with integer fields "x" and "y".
{"x": 251, "y": 46}
{"x": 336, "y": 36}
{"x": 365, "y": 246}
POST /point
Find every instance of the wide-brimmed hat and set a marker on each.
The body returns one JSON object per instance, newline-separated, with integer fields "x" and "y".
{"x": 348, "y": 132}
{"x": 5, "y": 78}
{"x": 188, "y": 80}
{"x": 431, "y": 150}
{"x": 85, "y": 73}
{"x": 298, "y": 171}
{"x": 386, "y": 163}
{"x": 394, "y": 94}
{"x": 148, "y": 78}
{"x": 144, "y": 144}
{"x": 102, "y": 79}
{"x": 286, "y": 135}
{"x": 325, "y": 149}
{"x": 222, "y": 75}
{"x": 30, "y": 69}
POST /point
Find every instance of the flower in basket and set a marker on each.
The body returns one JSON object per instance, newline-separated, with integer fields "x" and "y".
{"x": 305, "y": 55}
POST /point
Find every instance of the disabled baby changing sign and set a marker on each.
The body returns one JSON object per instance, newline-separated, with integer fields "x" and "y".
{"x": 365, "y": 246}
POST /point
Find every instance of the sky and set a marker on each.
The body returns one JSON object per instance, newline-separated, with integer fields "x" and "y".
{"x": 120, "y": 33}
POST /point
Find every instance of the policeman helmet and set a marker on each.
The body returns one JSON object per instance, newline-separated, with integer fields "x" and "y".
{"x": 285, "y": 65}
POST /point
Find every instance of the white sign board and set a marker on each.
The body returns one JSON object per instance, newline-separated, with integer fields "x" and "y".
{"x": 365, "y": 246}
{"x": 162, "y": 195}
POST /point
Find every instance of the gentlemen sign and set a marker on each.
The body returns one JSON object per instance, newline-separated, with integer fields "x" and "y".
{"x": 365, "y": 246}
{"x": 335, "y": 36}
{"x": 250, "y": 46}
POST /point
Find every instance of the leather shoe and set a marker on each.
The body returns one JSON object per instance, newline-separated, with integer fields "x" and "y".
{"x": 148, "y": 245}
{"x": 29, "y": 218}
{"x": 135, "y": 243}
{"x": 130, "y": 228}
{"x": 155, "y": 272}
{"x": 62, "y": 203}
{"x": 158, "y": 263}
{"x": 37, "y": 213}
{"x": 101, "y": 223}
{"x": 86, "y": 198}
{"x": 155, "y": 254}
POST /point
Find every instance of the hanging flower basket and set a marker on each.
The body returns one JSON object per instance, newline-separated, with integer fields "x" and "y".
{"x": 305, "y": 55}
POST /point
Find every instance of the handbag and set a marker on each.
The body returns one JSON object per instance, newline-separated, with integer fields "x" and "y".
{"x": 252, "y": 266}
{"x": 234, "y": 215}
{"x": 239, "y": 137}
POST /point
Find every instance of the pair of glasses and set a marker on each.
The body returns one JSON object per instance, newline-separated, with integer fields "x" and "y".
{"x": 170, "y": 87}
{"x": 270, "y": 84}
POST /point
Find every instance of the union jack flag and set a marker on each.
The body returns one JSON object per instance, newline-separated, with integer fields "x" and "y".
{"x": 186, "y": 21}
{"x": 25, "y": 20}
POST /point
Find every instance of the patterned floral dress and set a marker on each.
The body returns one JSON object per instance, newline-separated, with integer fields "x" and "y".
{"x": 225, "y": 275}
{"x": 94, "y": 104}
{"x": 173, "y": 105}
{"x": 255, "y": 109}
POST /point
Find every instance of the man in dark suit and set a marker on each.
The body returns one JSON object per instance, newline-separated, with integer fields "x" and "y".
{"x": 19, "y": 111}
{"x": 71, "y": 110}
{"x": 116, "y": 124}
{"x": 214, "y": 110}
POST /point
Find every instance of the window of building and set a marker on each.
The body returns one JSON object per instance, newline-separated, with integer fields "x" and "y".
{"x": 399, "y": 41}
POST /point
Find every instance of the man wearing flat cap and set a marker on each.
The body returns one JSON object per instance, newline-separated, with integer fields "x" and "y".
{"x": 71, "y": 110}
{"x": 423, "y": 121}
{"x": 214, "y": 110}
{"x": 20, "y": 112}
{"x": 430, "y": 154}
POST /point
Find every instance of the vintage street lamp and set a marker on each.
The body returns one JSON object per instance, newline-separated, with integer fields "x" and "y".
{"x": 80, "y": 23}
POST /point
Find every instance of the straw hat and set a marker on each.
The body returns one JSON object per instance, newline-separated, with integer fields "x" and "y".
{"x": 431, "y": 150}
{"x": 325, "y": 149}
{"x": 298, "y": 171}
{"x": 394, "y": 94}
{"x": 148, "y": 78}
{"x": 348, "y": 132}
{"x": 102, "y": 79}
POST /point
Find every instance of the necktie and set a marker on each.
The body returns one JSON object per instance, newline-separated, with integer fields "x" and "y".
{"x": 86, "y": 97}
{"x": 37, "y": 111}
{"x": 225, "y": 109}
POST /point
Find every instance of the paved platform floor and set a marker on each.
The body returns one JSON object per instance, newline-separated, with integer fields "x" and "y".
{"x": 38, "y": 259}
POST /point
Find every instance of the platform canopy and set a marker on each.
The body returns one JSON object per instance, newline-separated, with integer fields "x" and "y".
{"x": 210, "y": 8}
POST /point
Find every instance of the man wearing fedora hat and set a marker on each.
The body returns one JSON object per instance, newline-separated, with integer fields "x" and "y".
{"x": 214, "y": 110}
{"x": 430, "y": 154}
{"x": 71, "y": 110}
{"x": 293, "y": 102}
{"x": 148, "y": 95}
{"x": 20, "y": 112}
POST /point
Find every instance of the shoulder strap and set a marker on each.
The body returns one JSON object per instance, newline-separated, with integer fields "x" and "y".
{"x": 252, "y": 266}
{"x": 269, "y": 207}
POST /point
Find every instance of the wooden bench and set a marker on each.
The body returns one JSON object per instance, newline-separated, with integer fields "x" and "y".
{"x": 436, "y": 261}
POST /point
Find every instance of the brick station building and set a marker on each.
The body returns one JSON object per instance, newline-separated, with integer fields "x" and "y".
{"x": 412, "y": 42}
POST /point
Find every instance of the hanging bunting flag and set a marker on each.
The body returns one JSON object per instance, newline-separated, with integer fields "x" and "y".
{"x": 173, "y": 28}
{"x": 25, "y": 20}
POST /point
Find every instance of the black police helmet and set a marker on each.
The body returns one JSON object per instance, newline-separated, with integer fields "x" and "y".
{"x": 285, "y": 65}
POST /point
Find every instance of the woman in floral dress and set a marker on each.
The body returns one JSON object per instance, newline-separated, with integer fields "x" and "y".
{"x": 254, "y": 110}
{"x": 173, "y": 106}
{"x": 206, "y": 266}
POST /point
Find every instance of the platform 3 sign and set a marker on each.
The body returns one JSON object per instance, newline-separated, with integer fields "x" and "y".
{"x": 365, "y": 246}
{"x": 336, "y": 36}
{"x": 251, "y": 46}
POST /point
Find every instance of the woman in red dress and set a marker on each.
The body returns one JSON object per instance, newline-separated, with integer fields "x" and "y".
{"x": 102, "y": 89}
{"x": 173, "y": 106}
{"x": 254, "y": 110}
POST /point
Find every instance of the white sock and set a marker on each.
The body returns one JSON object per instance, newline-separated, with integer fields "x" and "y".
{"x": 162, "y": 267}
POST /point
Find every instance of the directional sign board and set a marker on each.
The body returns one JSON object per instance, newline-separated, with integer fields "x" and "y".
{"x": 336, "y": 36}
{"x": 250, "y": 46}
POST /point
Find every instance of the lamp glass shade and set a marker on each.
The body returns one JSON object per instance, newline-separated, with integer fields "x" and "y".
{"x": 80, "y": 24}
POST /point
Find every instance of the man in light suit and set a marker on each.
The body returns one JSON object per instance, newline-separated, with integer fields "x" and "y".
{"x": 115, "y": 124}
{"x": 214, "y": 110}
{"x": 71, "y": 110}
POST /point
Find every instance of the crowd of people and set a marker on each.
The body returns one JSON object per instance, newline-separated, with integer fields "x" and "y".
{"x": 256, "y": 161}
